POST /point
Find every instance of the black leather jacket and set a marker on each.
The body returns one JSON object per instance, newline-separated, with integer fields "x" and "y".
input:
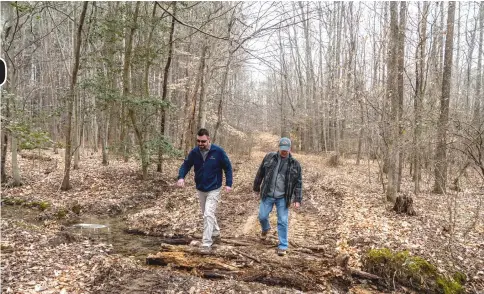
{"x": 292, "y": 184}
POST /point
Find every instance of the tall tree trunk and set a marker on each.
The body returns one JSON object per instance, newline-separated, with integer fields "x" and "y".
{"x": 441, "y": 152}
{"x": 401, "y": 69}
{"x": 322, "y": 120}
{"x": 202, "y": 107}
{"x": 361, "y": 133}
{"x": 13, "y": 21}
{"x": 392, "y": 96}
{"x": 127, "y": 91}
{"x": 419, "y": 95}
{"x": 4, "y": 140}
{"x": 470, "y": 52}
{"x": 310, "y": 81}
{"x": 223, "y": 86}
{"x": 15, "y": 170}
{"x": 338, "y": 93}
{"x": 477, "y": 104}
{"x": 189, "y": 132}
{"x": 70, "y": 103}
{"x": 104, "y": 137}
{"x": 75, "y": 127}
{"x": 3, "y": 134}
{"x": 4, "y": 137}
{"x": 166, "y": 72}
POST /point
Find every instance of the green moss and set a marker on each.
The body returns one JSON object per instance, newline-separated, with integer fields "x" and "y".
{"x": 7, "y": 201}
{"x": 412, "y": 271}
{"x": 44, "y": 205}
{"x": 76, "y": 208}
{"x": 13, "y": 201}
{"x": 449, "y": 286}
{"x": 379, "y": 255}
{"x": 41, "y": 205}
{"x": 61, "y": 213}
{"x": 6, "y": 248}
{"x": 460, "y": 277}
{"x": 418, "y": 265}
{"x": 401, "y": 257}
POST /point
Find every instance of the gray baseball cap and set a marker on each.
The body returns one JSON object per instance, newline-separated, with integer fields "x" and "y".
{"x": 285, "y": 144}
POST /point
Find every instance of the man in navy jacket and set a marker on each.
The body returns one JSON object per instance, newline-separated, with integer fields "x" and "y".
{"x": 208, "y": 160}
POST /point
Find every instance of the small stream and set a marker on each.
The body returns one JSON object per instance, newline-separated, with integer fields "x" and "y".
{"x": 112, "y": 231}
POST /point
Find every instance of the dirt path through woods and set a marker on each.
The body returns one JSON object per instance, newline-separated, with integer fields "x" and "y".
{"x": 343, "y": 215}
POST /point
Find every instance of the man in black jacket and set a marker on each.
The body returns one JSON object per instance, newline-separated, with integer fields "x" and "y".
{"x": 281, "y": 178}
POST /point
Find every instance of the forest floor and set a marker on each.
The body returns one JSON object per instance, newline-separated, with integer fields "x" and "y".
{"x": 344, "y": 214}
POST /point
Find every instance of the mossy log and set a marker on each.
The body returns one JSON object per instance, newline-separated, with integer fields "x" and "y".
{"x": 411, "y": 271}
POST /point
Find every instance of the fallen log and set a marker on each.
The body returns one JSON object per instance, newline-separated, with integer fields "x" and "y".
{"x": 246, "y": 255}
{"x": 235, "y": 242}
{"x": 214, "y": 275}
{"x": 176, "y": 241}
{"x": 182, "y": 260}
{"x": 362, "y": 274}
{"x": 316, "y": 248}
{"x": 283, "y": 280}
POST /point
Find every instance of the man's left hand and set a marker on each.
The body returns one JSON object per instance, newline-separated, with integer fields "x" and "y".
{"x": 296, "y": 204}
{"x": 228, "y": 189}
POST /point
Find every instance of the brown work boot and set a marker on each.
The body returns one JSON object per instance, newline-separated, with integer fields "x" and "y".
{"x": 216, "y": 239}
{"x": 281, "y": 252}
{"x": 263, "y": 235}
{"x": 205, "y": 250}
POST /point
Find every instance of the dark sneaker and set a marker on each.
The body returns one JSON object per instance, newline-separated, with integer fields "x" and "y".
{"x": 216, "y": 239}
{"x": 263, "y": 235}
{"x": 281, "y": 252}
{"x": 205, "y": 250}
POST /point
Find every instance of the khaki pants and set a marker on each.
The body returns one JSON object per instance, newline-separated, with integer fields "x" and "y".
{"x": 208, "y": 204}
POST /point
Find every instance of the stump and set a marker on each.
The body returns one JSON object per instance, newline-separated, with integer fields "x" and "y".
{"x": 404, "y": 204}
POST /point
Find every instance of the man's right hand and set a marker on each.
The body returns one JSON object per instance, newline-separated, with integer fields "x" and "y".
{"x": 255, "y": 194}
{"x": 180, "y": 183}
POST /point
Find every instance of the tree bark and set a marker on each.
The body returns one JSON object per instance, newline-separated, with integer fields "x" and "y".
{"x": 441, "y": 152}
{"x": 127, "y": 91}
{"x": 76, "y": 114}
{"x": 166, "y": 72}
{"x": 3, "y": 134}
{"x": 392, "y": 96}
{"x": 189, "y": 132}
{"x": 223, "y": 86}
{"x": 401, "y": 69}
{"x": 70, "y": 103}
{"x": 202, "y": 108}
{"x": 477, "y": 104}
{"x": 419, "y": 95}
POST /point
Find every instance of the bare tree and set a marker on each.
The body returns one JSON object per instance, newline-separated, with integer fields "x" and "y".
{"x": 164, "y": 94}
{"x": 70, "y": 101}
{"x": 419, "y": 95}
{"x": 392, "y": 96}
{"x": 441, "y": 149}
{"x": 477, "y": 104}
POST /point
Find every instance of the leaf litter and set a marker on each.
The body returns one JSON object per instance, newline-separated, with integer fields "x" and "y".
{"x": 343, "y": 214}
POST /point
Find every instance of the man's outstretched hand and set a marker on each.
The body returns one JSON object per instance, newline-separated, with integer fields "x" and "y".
{"x": 296, "y": 204}
{"x": 181, "y": 183}
{"x": 228, "y": 189}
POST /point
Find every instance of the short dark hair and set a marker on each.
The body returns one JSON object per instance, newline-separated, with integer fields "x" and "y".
{"x": 203, "y": 132}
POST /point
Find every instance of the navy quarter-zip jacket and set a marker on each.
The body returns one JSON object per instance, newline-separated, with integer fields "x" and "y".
{"x": 208, "y": 173}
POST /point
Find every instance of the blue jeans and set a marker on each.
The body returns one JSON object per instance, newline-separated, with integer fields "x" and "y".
{"x": 265, "y": 209}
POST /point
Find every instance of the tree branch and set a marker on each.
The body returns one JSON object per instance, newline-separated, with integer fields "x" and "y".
{"x": 190, "y": 26}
